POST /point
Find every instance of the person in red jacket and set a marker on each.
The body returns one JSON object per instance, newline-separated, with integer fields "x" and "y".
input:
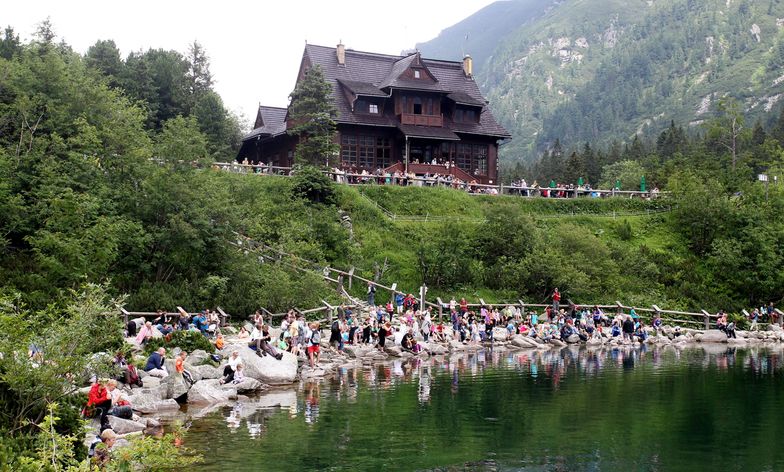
{"x": 556, "y": 300}
{"x": 100, "y": 398}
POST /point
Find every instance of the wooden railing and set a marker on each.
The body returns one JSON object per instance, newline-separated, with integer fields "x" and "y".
{"x": 473, "y": 188}
{"x": 422, "y": 120}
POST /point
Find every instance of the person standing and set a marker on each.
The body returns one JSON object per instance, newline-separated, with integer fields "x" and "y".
{"x": 314, "y": 344}
{"x": 556, "y": 300}
{"x": 371, "y": 294}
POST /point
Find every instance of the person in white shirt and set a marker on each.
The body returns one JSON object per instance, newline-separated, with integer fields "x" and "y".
{"x": 230, "y": 371}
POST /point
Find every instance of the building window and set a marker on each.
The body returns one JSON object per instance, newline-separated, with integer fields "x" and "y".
{"x": 373, "y": 108}
{"x": 367, "y": 151}
{"x": 463, "y": 157}
{"x": 383, "y": 152}
{"x": 417, "y": 106}
{"x": 465, "y": 115}
{"x": 480, "y": 159}
{"x": 348, "y": 150}
{"x": 416, "y": 74}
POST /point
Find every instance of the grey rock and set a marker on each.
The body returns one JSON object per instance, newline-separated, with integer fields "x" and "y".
{"x": 267, "y": 369}
{"x": 573, "y": 339}
{"x": 176, "y": 385}
{"x": 713, "y": 336}
{"x": 150, "y": 381}
{"x": 209, "y": 392}
{"x": 247, "y": 385}
{"x": 121, "y": 426}
{"x": 198, "y": 357}
{"x": 208, "y": 371}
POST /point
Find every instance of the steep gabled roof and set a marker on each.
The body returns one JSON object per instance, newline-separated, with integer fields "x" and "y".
{"x": 362, "y": 88}
{"x": 376, "y": 69}
{"x": 462, "y": 98}
{"x": 274, "y": 119}
{"x": 397, "y": 79}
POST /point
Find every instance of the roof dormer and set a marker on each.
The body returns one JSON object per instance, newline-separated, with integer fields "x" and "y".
{"x": 410, "y": 72}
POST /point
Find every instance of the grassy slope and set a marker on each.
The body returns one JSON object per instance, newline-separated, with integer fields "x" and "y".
{"x": 378, "y": 238}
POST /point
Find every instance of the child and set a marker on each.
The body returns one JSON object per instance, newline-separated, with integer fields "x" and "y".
{"x": 314, "y": 344}
{"x": 239, "y": 376}
{"x": 179, "y": 366}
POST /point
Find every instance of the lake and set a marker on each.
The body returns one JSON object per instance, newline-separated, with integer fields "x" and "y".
{"x": 575, "y": 409}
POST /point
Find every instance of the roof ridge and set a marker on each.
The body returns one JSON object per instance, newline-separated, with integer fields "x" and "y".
{"x": 270, "y": 106}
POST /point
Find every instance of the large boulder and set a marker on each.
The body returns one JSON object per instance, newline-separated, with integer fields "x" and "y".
{"x": 210, "y": 391}
{"x": 437, "y": 349}
{"x": 176, "y": 385}
{"x": 557, "y": 343}
{"x": 207, "y": 371}
{"x": 712, "y": 336}
{"x": 573, "y": 339}
{"x": 267, "y": 369}
{"x": 198, "y": 357}
{"x": 247, "y": 385}
{"x": 395, "y": 351}
{"x": 121, "y": 426}
{"x": 150, "y": 381}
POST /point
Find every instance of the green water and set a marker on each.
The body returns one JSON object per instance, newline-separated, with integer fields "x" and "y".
{"x": 615, "y": 410}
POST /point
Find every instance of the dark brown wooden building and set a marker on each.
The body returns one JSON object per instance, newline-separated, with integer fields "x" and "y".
{"x": 393, "y": 113}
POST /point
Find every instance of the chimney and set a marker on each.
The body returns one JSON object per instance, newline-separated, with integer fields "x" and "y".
{"x": 468, "y": 66}
{"x": 340, "y": 51}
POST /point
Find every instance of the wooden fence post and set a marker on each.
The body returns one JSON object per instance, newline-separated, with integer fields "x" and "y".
{"x": 619, "y": 311}
{"x": 126, "y": 316}
{"x": 350, "y": 277}
{"x": 392, "y": 291}
{"x": 440, "y": 309}
{"x": 706, "y": 316}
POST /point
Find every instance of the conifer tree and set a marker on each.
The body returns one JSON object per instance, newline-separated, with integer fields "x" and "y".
{"x": 311, "y": 113}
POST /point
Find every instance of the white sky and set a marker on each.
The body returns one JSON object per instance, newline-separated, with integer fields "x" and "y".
{"x": 254, "y": 47}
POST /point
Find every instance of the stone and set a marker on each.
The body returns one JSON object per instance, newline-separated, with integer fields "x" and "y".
{"x": 573, "y": 339}
{"x": 267, "y": 369}
{"x": 437, "y": 349}
{"x": 139, "y": 323}
{"x": 208, "y": 372}
{"x": 198, "y": 357}
{"x": 393, "y": 351}
{"x": 150, "y": 381}
{"x": 557, "y": 343}
{"x": 121, "y": 426}
{"x": 713, "y": 336}
{"x": 248, "y": 385}
{"x": 147, "y": 403}
{"x": 210, "y": 391}
{"x": 176, "y": 385}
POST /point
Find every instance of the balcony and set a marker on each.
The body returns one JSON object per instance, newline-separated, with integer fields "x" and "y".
{"x": 422, "y": 120}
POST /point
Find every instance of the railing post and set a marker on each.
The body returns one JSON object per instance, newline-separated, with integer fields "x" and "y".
{"x": 706, "y": 317}
{"x": 440, "y": 309}
{"x": 350, "y": 277}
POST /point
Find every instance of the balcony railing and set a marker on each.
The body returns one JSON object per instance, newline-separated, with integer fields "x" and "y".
{"x": 422, "y": 120}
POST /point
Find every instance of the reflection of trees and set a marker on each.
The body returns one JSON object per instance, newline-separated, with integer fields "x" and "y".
{"x": 646, "y": 406}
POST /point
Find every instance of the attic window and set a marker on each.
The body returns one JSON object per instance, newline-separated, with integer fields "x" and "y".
{"x": 373, "y": 108}
{"x": 416, "y": 74}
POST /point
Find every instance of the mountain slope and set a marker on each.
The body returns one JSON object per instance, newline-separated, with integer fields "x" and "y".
{"x": 602, "y": 70}
{"x": 478, "y": 35}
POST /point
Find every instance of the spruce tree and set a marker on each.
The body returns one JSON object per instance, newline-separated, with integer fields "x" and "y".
{"x": 311, "y": 113}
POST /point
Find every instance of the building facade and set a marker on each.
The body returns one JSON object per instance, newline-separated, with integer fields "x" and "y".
{"x": 394, "y": 113}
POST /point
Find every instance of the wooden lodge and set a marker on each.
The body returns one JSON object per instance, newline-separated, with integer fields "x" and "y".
{"x": 394, "y": 113}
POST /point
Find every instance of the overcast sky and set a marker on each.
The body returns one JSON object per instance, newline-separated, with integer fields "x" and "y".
{"x": 255, "y": 47}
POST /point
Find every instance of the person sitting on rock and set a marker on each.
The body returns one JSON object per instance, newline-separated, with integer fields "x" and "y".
{"x": 179, "y": 366}
{"x": 409, "y": 343}
{"x": 99, "y": 399}
{"x": 100, "y": 449}
{"x": 239, "y": 376}
{"x": 231, "y": 368}
{"x": 145, "y": 334}
{"x": 155, "y": 366}
{"x": 628, "y": 328}
{"x": 260, "y": 342}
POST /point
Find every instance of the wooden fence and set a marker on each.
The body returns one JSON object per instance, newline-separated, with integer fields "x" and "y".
{"x": 353, "y": 179}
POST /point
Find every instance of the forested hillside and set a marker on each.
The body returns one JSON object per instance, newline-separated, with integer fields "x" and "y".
{"x": 597, "y": 70}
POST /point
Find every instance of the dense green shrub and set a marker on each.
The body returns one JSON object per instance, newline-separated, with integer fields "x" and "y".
{"x": 187, "y": 340}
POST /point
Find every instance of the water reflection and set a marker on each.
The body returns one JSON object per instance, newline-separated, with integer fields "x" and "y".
{"x": 549, "y": 366}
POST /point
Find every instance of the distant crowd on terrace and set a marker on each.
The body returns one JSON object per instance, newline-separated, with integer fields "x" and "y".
{"x": 381, "y": 177}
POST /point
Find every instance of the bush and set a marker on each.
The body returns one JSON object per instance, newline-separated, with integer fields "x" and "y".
{"x": 186, "y": 340}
